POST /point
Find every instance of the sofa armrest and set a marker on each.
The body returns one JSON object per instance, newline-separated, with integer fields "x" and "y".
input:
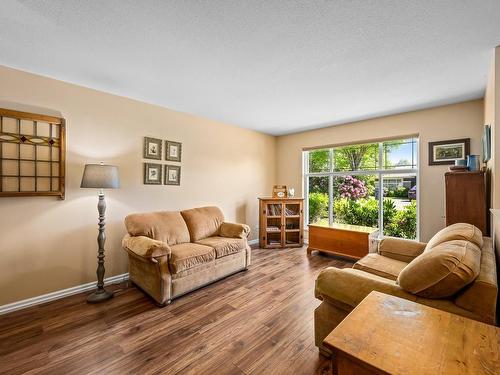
{"x": 234, "y": 230}
{"x": 348, "y": 286}
{"x": 145, "y": 247}
{"x": 400, "y": 249}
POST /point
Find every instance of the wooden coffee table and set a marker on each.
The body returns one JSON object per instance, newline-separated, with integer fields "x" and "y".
{"x": 389, "y": 335}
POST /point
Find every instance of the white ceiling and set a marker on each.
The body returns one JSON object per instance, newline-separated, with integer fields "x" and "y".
{"x": 273, "y": 66}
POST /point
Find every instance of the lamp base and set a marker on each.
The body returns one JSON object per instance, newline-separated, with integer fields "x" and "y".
{"x": 99, "y": 296}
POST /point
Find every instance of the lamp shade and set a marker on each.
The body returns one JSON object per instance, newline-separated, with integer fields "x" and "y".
{"x": 100, "y": 176}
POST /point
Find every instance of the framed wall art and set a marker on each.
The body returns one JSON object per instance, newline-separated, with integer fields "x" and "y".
{"x": 152, "y": 173}
{"x": 486, "y": 142}
{"x": 446, "y": 152}
{"x": 172, "y": 175}
{"x": 173, "y": 151}
{"x": 152, "y": 148}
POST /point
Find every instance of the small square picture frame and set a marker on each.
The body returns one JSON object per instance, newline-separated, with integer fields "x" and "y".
{"x": 152, "y": 148}
{"x": 152, "y": 173}
{"x": 172, "y": 175}
{"x": 173, "y": 151}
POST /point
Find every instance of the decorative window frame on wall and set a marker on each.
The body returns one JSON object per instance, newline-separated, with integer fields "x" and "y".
{"x": 26, "y": 169}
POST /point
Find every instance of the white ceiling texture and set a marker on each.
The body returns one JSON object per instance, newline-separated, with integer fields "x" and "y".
{"x": 274, "y": 66}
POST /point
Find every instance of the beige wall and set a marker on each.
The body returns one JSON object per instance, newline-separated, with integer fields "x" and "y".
{"x": 47, "y": 244}
{"x": 492, "y": 117}
{"x": 491, "y": 108}
{"x": 463, "y": 120}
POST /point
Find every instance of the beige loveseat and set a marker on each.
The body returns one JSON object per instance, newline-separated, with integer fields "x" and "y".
{"x": 455, "y": 271}
{"x": 173, "y": 253}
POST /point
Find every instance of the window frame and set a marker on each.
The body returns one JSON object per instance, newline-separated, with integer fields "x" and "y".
{"x": 379, "y": 172}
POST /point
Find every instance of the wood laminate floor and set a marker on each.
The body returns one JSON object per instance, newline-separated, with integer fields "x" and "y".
{"x": 259, "y": 321}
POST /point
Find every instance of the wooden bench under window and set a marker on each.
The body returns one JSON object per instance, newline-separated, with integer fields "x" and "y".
{"x": 350, "y": 241}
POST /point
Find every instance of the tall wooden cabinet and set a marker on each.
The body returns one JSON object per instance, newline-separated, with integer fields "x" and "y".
{"x": 281, "y": 222}
{"x": 466, "y": 199}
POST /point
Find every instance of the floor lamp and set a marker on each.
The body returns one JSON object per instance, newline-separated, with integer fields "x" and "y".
{"x": 100, "y": 176}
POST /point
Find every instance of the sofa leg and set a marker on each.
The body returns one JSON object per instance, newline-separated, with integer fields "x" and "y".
{"x": 166, "y": 303}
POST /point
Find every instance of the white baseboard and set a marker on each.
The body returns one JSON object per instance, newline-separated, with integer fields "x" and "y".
{"x": 69, "y": 292}
{"x": 59, "y": 294}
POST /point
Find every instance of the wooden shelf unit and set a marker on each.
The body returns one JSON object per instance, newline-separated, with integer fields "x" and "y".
{"x": 466, "y": 199}
{"x": 281, "y": 222}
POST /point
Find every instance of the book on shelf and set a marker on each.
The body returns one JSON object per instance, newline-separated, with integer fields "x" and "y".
{"x": 274, "y": 209}
{"x": 273, "y": 229}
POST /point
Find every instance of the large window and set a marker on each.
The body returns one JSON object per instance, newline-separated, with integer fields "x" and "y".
{"x": 372, "y": 184}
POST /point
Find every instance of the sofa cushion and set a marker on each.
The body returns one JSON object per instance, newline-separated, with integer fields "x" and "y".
{"x": 163, "y": 226}
{"x": 224, "y": 246}
{"x": 188, "y": 255}
{"x": 380, "y": 265}
{"x": 458, "y": 231}
{"x": 442, "y": 271}
{"x": 203, "y": 222}
{"x": 400, "y": 249}
{"x": 347, "y": 287}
